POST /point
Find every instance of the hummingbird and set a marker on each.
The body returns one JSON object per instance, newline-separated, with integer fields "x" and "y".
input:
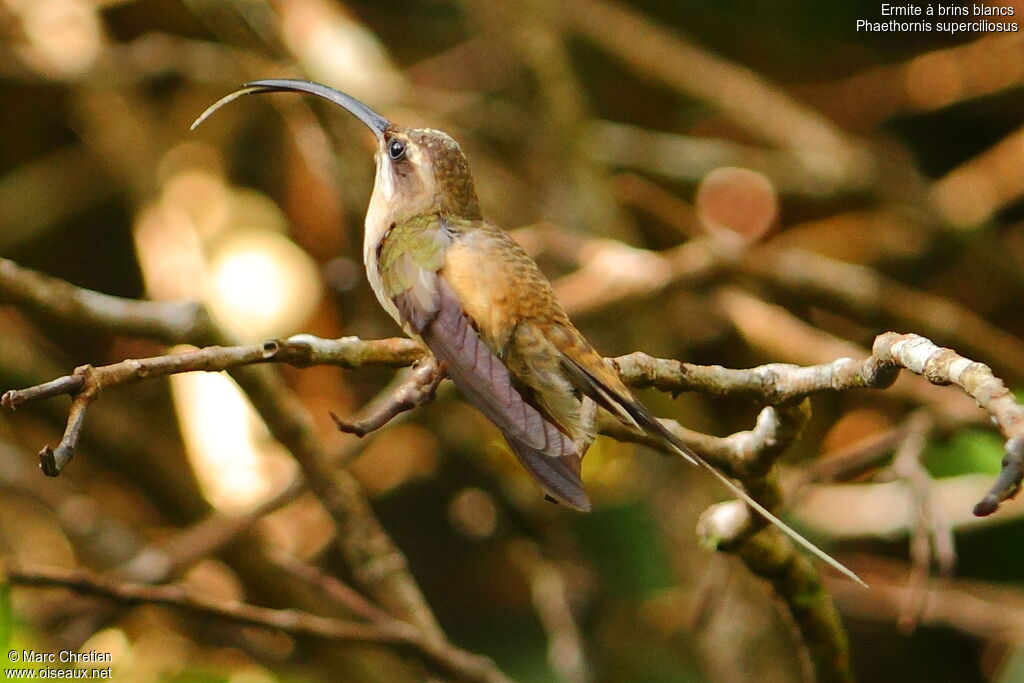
{"x": 471, "y": 295}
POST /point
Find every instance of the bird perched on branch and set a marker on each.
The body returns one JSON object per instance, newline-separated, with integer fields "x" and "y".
{"x": 471, "y": 294}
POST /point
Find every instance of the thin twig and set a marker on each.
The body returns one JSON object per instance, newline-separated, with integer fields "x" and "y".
{"x": 51, "y": 462}
{"x": 329, "y": 587}
{"x": 744, "y": 455}
{"x": 416, "y": 390}
{"x": 168, "y": 558}
{"x": 87, "y": 381}
{"x": 851, "y": 461}
{"x": 459, "y": 664}
{"x": 979, "y": 608}
{"x": 566, "y": 653}
{"x": 945, "y": 366}
{"x": 930, "y": 524}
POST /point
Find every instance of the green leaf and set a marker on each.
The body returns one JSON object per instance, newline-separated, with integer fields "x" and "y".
{"x": 971, "y": 451}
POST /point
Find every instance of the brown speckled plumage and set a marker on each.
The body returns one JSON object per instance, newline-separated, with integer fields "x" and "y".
{"x": 451, "y": 192}
{"x": 437, "y": 243}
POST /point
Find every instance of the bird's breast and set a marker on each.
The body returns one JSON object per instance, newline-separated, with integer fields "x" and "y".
{"x": 372, "y": 239}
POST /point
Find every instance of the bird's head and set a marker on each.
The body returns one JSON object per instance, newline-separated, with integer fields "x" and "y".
{"x": 419, "y": 170}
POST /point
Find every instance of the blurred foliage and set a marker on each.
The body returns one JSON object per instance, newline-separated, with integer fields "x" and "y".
{"x": 966, "y": 452}
{"x": 6, "y": 616}
{"x": 623, "y": 544}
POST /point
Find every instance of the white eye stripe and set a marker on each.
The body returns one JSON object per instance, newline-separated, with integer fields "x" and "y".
{"x": 383, "y": 182}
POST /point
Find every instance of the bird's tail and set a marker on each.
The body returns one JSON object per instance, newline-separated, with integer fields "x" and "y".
{"x": 650, "y": 424}
{"x": 586, "y": 370}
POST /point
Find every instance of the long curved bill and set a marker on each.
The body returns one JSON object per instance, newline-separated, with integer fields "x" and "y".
{"x": 374, "y": 121}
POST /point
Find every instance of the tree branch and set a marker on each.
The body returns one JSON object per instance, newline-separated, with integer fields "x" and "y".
{"x": 773, "y": 384}
{"x": 945, "y": 366}
{"x": 174, "y": 322}
{"x": 385, "y": 630}
{"x": 749, "y": 456}
{"x": 468, "y": 665}
{"x": 375, "y": 560}
{"x": 766, "y": 551}
{"x": 770, "y": 555}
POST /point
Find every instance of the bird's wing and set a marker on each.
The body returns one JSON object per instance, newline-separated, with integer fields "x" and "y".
{"x": 411, "y": 263}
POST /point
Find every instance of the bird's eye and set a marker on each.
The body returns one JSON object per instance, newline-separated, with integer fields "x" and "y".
{"x": 396, "y": 150}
